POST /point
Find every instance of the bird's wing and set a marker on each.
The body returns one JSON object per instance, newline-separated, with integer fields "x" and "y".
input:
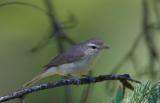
{"x": 64, "y": 58}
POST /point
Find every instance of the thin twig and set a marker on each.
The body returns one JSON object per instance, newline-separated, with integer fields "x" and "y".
{"x": 56, "y": 25}
{"x": 128, "y": 55}
{"x": 65, "y": 82}
{"x": 23, "y": 4}
{"x": 57, "y": 29}
{"x": 148, "y": 35}
{"x": 60, "y": 36}
{"x": 149, "y": 38}
{"x": 86, "y": 91}
{"x": 157, "y": 14}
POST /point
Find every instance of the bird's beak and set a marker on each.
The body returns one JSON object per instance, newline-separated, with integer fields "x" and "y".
{"x": 104, "y": 46}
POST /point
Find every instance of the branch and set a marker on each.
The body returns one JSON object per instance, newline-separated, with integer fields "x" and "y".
{"x": 57, "y": 29}
{"x": 148, "y": 34}
{"x": 85, "y": 80}
{"x": 60, "y": 35}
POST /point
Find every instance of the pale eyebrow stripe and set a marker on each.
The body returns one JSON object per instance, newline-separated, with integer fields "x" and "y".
{"x": 91, "y": 44}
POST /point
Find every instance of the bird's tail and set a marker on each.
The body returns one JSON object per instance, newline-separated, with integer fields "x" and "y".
{"x": 46, "y": 73}
{"x": 32, "y": 81}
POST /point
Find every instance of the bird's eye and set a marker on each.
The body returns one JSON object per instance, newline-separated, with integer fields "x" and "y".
{"x": 93, "y": 47}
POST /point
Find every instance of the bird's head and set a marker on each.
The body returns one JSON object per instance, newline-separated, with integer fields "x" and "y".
{"x": 94, "y": 46}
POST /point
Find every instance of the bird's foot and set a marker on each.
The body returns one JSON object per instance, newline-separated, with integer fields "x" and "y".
{"x": 90, "y": 78}
{"x": 75, "y": 80}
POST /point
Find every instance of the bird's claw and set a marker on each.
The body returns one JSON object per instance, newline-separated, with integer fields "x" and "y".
{"x": 76, "y": 81}
{"x": 90, "y": 79}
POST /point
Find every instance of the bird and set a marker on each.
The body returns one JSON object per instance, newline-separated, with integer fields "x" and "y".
{"x": 75, "y": 61}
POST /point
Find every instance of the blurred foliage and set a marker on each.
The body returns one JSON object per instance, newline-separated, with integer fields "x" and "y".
{"x": 145, "y": 93}
{"x": 130, "y": 27}
{"x": 119, "y": 95}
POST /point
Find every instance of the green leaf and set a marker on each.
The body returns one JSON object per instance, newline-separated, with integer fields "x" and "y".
{"x": 145, "y": 93}
{"x": 119, "y": 95}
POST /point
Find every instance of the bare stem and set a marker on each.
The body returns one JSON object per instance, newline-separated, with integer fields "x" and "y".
{"x": 64, "y": 82}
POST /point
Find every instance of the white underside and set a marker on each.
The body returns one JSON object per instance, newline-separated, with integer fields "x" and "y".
{"x": 77, "y": 68}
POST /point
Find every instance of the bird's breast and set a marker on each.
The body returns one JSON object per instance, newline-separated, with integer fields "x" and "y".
{"x": 77, "y": 68}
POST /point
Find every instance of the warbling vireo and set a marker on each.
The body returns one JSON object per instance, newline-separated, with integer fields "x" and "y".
{"x": 74, "y": 61}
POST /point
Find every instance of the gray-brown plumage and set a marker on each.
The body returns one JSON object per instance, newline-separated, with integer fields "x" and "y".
{"x": 73, "y": 54}
{"x": 73, "y": 61}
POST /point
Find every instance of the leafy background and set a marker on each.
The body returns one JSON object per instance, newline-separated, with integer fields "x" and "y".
{"x": 118, "y": 23}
